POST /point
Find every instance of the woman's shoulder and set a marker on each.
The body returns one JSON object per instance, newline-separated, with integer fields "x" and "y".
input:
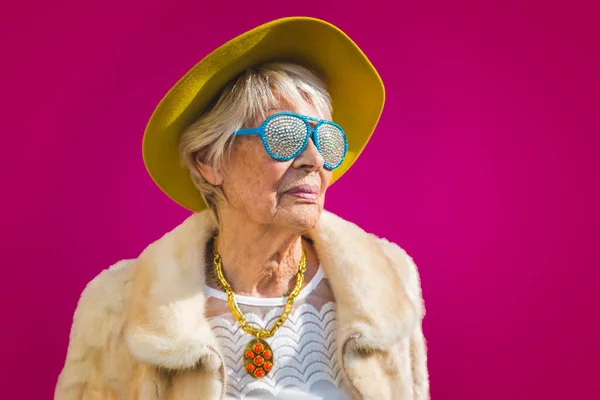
{"x": 403, "y": 262}
{"x": 405, "y": 267}
{"x": 343, "y": 226}
{"x": 102, "y": 298}
{"x": 110, "y": 282}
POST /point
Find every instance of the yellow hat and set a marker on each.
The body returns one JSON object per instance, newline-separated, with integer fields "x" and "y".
{"x": 355, "y": 87}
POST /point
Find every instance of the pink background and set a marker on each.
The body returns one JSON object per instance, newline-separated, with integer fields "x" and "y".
{"x": 483, "y": 168}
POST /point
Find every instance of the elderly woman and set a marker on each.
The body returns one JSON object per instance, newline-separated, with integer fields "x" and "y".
{"x": 261, "y": 293}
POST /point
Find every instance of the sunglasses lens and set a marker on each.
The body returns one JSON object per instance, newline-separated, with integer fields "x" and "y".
{"x": 332, "y": 144}
{"x": 285, "y": 136}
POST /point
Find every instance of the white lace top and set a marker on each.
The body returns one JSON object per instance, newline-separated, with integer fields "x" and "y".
{"x": 306, "y": 364}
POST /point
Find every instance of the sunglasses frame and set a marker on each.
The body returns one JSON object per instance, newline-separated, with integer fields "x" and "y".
{"x": 310, "y": 133}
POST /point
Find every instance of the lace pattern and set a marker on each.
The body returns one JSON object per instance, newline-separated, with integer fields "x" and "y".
{"x": 304, "y": 347}
{"x": 306, "y": 363}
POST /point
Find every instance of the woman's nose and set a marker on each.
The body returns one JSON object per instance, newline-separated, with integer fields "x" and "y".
{"x": 310, "y": 158}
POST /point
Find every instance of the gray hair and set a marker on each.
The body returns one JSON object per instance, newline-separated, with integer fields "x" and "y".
{"x": 242, "y": 102}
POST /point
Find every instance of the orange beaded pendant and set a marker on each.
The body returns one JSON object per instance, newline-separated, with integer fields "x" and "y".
{"x": 258, "y": 358}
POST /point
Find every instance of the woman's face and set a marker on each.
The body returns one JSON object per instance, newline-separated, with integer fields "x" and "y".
{"x": 288, "y": 193}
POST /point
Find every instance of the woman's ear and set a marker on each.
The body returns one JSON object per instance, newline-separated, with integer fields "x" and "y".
{"x": 209, "y": 173}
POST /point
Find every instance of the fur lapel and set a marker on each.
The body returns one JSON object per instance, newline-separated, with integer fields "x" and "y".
{"x": 165, "y": 319}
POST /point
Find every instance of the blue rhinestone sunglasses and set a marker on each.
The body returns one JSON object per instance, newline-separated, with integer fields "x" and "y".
{"x": 286, "y": 134}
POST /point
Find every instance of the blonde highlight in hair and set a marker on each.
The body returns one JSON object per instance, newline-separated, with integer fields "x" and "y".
{"x": 243, "y": 102}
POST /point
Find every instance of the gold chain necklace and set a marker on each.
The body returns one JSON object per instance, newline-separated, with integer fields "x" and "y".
{"x": 258, "y": 355}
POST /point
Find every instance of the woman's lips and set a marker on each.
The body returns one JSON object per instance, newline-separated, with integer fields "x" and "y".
{"x": 304, "y": 192}
{"x": 304, "y": 195}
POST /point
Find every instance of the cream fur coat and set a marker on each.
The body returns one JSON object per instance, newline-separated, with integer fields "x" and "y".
{"x": 139, "y": 330}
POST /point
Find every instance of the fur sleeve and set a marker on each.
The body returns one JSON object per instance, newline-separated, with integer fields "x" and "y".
{"x": 418, "y": 343}
{"x": 94, "y": 341}
{"x": 409, "y": 274}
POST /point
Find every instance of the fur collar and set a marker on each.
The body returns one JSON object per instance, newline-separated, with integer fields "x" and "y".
{"x": 165, "y": 320}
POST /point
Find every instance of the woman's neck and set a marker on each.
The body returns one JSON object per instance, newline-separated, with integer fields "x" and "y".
{"x": 262, "y": 260}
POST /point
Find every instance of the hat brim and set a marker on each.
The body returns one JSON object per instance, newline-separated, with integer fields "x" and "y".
{"x": 355, "y": 87}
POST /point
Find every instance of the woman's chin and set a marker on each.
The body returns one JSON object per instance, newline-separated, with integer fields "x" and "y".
{"x": 301, "y": 215}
